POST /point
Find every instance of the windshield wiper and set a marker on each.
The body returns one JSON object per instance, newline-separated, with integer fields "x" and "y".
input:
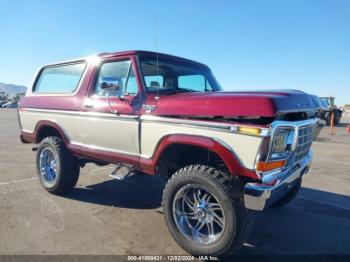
{"x": 188, "y": 90}
{"x": 177, "y": 90}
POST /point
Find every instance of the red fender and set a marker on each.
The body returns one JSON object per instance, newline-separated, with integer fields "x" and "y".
{"x": 34, "y": 137}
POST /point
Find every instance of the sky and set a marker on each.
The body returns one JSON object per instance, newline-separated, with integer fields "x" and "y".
{"x": 248, "y": 44}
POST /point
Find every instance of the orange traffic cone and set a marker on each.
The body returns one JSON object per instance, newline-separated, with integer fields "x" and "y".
{"x": 348, "y": 129}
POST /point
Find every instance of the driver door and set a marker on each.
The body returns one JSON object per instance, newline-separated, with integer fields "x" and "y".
{"x": 111, "y": 120}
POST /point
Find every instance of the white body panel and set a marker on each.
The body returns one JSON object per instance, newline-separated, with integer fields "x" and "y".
{"x": 244, "y": 146}
{"x": 122, "y": 134}
{"x": 105, "y": 133}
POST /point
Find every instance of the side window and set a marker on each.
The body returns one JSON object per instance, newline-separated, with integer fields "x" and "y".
{"x": 62, "y": 79}
{"x": 194, "y": 82}
{"x": 118, "y": 71}
{"x": 131, "y": 86}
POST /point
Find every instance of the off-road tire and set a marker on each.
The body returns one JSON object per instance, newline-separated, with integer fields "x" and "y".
{"x": 286, "y": 199}
{"x": 227, "y": 190}
{"x": 68, "y": 166}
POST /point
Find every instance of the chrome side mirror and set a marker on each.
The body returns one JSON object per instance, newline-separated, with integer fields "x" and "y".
{"x": 111, "y": 84}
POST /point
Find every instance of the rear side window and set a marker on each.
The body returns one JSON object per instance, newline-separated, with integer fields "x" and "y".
{"x": 63, "y": 79}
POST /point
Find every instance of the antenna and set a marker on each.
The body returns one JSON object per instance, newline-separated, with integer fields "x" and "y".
{"x": 156, "y": 42}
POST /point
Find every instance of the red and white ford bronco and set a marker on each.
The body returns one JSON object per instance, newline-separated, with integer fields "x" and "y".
{"x": 222, "y": 152}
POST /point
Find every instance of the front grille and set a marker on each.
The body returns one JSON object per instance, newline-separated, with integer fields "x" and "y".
{"x": 305, "y": 137}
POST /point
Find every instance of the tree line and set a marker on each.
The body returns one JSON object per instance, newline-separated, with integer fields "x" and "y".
{"x": 5, "y": 97}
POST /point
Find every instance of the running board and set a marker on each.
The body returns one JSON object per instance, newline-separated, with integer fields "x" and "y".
{"x": 122, "y": 172}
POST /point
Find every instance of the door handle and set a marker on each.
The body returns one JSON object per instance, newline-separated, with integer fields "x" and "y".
{"x": 88, "y": 106}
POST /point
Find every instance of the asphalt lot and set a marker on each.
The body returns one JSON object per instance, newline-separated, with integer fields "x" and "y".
{"x": 106, "y": 216}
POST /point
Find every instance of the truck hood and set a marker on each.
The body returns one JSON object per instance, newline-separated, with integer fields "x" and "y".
{"x": 231, "y": 104}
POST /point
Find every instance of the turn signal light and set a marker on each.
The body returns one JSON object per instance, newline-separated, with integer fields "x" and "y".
{"x": 249, "y": 130}
{"x": 267, "y": 166}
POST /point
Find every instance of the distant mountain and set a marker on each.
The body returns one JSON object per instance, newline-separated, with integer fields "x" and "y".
{"x": 12, "y": 90}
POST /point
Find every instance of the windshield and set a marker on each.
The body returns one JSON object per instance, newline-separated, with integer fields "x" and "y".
{"x": 165, "y": 75}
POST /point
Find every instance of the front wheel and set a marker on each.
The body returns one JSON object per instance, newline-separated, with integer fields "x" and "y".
{"x": 204, "y": 211}
{"x": 57, "y": 168}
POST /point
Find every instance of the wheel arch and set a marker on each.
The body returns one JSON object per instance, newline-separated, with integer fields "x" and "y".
{"x": 45, "y": 128}
{"x": 195, "y": 142}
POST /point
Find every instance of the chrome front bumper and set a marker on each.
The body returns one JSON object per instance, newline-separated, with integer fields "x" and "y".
{"x": 258, "y": 196}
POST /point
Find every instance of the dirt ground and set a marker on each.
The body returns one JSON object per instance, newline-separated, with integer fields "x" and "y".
{"x": 106, "y": 216}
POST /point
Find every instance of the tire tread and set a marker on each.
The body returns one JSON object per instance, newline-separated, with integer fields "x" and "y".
{"x": 69, "y": 165}
{"x": 232, "y": 188}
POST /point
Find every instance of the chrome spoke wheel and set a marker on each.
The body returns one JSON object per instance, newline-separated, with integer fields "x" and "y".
{"x": 48, "y": 163}
{"x": 198, "y": 214}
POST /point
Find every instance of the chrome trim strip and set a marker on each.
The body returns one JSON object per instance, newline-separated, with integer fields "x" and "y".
{"x": 82, "y": 113}
{"x": 104, "y": 149}
{"x": 280, "y": 123}
{"x": 231, "y": 128}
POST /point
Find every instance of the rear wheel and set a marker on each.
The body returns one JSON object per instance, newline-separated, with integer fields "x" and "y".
{"x": 204, "y": 211}
{"x": 57, "y": 168}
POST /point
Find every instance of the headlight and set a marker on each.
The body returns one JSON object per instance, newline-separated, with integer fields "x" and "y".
{"x": 282, "y": 143}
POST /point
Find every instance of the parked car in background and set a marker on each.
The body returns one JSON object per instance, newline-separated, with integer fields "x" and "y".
{"x": 10, "y": 105}
{"x": 222, "y": 153}
{"x": 329, "y": 108}
{"x": 2, "y": 103}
